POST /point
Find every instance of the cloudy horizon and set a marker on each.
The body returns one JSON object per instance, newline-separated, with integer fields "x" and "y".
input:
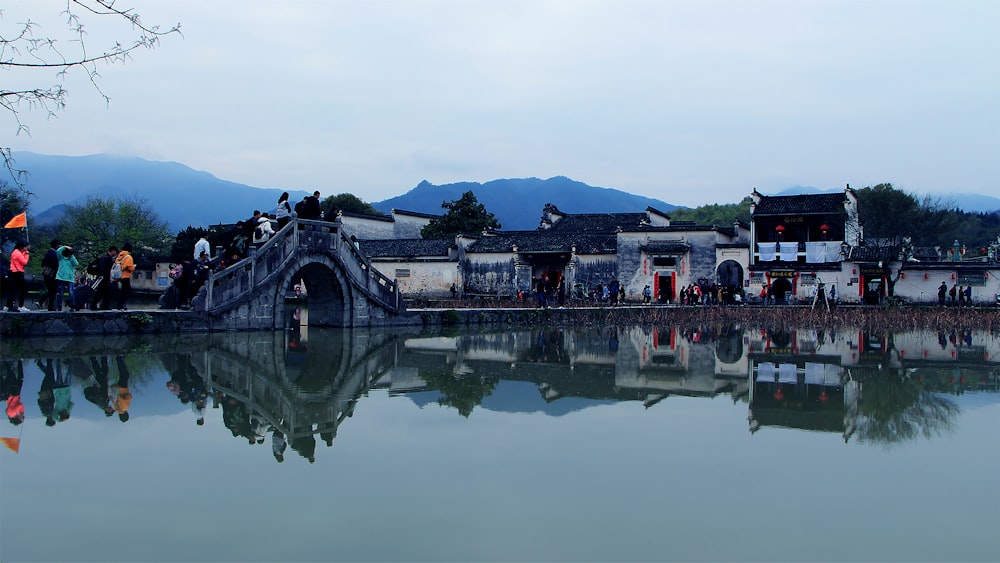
{"x": 688, "y": 102}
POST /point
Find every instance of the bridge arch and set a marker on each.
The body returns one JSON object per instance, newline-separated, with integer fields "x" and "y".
{"x": 329, "y": 296}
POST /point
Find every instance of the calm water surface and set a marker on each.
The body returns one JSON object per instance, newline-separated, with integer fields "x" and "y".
{"x": 627, "y": 443}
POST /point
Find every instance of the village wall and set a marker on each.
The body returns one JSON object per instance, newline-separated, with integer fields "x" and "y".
{"x": 421, "y": 279}
{"x": 408, "y": 226}
{"x": 366, "y": 228}
{"x": 492, "y": 273}
{"x": 593, "y": 269}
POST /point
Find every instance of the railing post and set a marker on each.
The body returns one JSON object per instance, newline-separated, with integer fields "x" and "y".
{"x": 208, "y": 295}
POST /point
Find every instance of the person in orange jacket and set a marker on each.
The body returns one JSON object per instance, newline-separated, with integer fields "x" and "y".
{"x": 128, "y": 266}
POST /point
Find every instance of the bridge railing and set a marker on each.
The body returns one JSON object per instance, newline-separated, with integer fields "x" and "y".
{"x": 239, "y": 280}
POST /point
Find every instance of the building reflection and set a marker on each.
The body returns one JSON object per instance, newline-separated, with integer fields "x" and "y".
{"x": 293, "y": 389}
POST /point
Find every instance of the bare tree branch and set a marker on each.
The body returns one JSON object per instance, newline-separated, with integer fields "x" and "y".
{"x": 30, "y": 55}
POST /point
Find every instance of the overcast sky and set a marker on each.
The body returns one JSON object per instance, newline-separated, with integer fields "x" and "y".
{"x": 691, "y": 102}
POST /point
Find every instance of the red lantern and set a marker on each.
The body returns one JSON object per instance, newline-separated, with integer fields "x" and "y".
{"x": 926, "y": 276}
{"x": 780, "y": 228}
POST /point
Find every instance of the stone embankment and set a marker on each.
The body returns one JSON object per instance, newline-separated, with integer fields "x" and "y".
{"x": 81, "y": 323}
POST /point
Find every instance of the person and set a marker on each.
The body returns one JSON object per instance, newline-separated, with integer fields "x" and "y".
{"x": 968, "y": 295}
{"x": 50, "y": 264}
{"x": 952, "y": 293}
{"x": 236, "y": 250}
{"x": 613, "y": 290}
{"x": 263, "y": 231}
{"x": 11, "y": 383}
{"x": 202, "y": 246}
{"x": 122, "y": 395}
{"x": 65, "y": 275}
{"x": 102, "y": 295}
{"x": 128, "y": 266}
{"x": 647, "y": 295}
{"x": 284, "y": 211}
{"x": 540, "y": 292}
{"x": 454, "y": 291}
{"x": 942, "y": 291}
{"x": 310, "y": 207}
{"x": 17, "y": 289}
{"x": 83, "y": 292}
{"x": 250, "y": 224}
{"x": 833, "y": 294}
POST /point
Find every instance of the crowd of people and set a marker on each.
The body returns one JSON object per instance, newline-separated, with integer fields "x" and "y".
{"x": 105, "y": 284}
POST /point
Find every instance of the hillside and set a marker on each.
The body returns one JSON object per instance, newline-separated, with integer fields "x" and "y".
{"x": 180, "y": 195}
{"x": 518, "y": 202}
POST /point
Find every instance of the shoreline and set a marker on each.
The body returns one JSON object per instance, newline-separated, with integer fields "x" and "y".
{"x": 158, "y": 321}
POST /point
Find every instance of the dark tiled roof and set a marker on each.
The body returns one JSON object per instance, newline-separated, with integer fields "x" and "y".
{"x": 369, "y": 217}
{"x": 546, "y": 241}
{"x": 598, "y": 223}
{"x": 409, "y": 247}
{"x": 874, "y": 253}
{"x": 416, "y": 214}
{"x": 800, "y": 204}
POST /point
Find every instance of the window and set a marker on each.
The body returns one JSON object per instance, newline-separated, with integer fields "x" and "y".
{"x": 402, "y": 272}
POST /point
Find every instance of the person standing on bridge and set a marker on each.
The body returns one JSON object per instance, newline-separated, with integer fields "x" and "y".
{"x": 284, "y": 211}
{"x": 310, "y": 207}
{"x": 202, "y": 246}
{"x": 263, "y": 231}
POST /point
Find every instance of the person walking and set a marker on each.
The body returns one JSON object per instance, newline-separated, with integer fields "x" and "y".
{"x": 202, "y": 246}
{"x": 50, "y": 265}
{"x": 66, "y": 276}
{"x": 127, "y": 264}
{"x": 17, "y": 289}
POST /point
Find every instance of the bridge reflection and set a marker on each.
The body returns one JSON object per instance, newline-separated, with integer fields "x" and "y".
{"x": 296, "y": 385}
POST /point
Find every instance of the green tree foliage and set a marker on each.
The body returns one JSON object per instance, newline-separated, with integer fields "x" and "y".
{"x": 887, "y": 215}
{"x": 461, "y": 392}
{"x": 465, "y": 215}
{"x": 99, "y": 222}
{"x": 349, "y": 203}
{"x": 718, "y": 214}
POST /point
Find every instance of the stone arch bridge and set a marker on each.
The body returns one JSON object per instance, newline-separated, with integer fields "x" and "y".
{"x": 343, "y": 288}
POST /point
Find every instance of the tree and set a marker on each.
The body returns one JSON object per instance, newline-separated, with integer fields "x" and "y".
{"x": 887, "y": 215}
{"x": 349, "y": 203}
{"x": 465, "y": 215}
{"x": 30, "y": 60}
{"x": 720, "y": 215}
{"x": 101, "y": 222}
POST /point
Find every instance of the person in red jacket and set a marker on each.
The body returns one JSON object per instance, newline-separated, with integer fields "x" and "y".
{"x": 18, "y": 260}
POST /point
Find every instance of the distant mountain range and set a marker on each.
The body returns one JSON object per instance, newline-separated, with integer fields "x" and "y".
{"x": 183, "y": 196}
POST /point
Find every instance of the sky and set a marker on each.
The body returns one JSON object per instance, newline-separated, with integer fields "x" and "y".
{"x": 691, "y": 102}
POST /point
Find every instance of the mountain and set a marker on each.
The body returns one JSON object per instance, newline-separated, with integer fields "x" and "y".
{"x": 518, "y": 203}
{"x": 180, "y": 195}
{"x": 183, "y": 196}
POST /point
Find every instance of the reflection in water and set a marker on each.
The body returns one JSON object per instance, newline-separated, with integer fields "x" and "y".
{"x": 293, "y": 389}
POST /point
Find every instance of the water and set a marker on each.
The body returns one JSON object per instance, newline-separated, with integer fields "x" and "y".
{"x": 630, "y": 443}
